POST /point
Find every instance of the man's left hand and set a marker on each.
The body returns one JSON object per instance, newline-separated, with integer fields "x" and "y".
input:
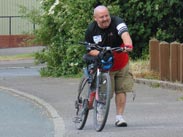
{"x": 128, "y": 48}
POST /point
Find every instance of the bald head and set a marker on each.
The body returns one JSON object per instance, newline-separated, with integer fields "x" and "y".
{"x": 102, "y": 17}
{"x": 100, "y": 9}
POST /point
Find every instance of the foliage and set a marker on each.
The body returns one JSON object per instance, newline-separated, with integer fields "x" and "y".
{"x": 161, "y": 19}
{"x": 62, "y": 24}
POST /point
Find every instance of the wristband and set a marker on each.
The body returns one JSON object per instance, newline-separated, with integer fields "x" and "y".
{"x": 129, "y": 46}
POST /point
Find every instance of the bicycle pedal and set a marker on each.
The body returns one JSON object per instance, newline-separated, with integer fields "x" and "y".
{"x": 102, "y": 102}
{"x": 77, "y": 120}
{"x": 76, "y": 104}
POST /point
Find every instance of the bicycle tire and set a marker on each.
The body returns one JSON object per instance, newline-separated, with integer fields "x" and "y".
{"x": 104, "y": 100}
{"x": 82, "y": 102}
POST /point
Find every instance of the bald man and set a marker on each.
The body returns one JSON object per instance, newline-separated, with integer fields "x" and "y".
{"x": 112, "y": 31}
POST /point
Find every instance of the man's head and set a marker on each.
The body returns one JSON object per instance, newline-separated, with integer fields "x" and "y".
{"x": 102, "y": 16}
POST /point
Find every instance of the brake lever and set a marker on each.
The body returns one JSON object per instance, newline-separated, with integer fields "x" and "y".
{"x": 120, "y": 49}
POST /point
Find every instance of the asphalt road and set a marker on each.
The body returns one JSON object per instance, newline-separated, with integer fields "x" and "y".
{"x": 22, "y": 118}
{"x": 156, "y": 112}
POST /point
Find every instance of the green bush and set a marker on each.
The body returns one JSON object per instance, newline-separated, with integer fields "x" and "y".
{"x": 160, "y": 19}
{"x": 61, "y": 29}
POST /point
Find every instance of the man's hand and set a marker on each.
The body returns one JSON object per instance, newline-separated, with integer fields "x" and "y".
{"x": 128, "y": 48}
{"x": 94, "y": 52}
{"x": 127, "y": 41}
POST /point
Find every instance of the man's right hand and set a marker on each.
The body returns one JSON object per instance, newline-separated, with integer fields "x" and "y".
{"x": 94, "y": 52}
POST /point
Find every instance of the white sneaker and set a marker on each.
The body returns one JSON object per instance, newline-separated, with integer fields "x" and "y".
{"x": 120, "y": 122}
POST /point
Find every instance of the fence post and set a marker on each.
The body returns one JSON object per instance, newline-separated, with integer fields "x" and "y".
{"x": 154, "y": 54}
{"x": 178, "y": 63}
{"x": 164, "y": 55}
{"x": 181, "y": 63}
{"x": 174, "y": 61}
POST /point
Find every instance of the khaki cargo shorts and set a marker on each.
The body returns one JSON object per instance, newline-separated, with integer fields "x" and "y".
{"x": 122, "y": 80}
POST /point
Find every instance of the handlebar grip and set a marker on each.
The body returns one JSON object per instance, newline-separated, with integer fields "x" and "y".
{"x": 83, "y": 43}
{"x": 121, "y": 49}
{"x": 87, "y": 44}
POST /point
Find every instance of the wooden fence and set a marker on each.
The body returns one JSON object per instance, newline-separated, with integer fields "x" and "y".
{"x": 167, "y": 60}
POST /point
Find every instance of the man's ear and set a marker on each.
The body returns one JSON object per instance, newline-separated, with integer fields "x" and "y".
{"x": 94, "y": 18}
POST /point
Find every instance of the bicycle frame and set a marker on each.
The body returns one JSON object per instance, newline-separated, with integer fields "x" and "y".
{"x": 94, "y": 94}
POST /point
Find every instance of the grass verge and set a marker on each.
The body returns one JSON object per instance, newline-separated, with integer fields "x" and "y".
{"x": 141, "y": 69}
{"x": 17, "y": 57}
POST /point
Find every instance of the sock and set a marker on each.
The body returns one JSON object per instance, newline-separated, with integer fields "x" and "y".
{"x": 118, "y": 117}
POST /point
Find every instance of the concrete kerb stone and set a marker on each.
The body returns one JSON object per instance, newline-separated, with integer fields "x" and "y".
{"x": 159, "y": 83}
{"x": 59, "y": 126}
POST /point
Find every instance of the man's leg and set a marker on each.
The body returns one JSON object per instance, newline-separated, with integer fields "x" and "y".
{"x": 120, "y": 100}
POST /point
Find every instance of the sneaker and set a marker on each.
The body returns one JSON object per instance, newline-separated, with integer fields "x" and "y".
{"x": 120, "y": 122}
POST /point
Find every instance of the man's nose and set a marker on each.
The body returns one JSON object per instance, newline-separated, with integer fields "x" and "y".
{"x": 105, "y": 18}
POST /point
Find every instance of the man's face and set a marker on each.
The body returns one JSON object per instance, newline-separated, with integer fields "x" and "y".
{"x": 102, "y": 18}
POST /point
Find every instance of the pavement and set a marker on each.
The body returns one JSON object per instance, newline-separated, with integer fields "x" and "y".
{"x": 19, "y": 50}
{"x": 156, "y": 112}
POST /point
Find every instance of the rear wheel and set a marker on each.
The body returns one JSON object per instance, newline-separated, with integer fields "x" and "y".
{"x": 81, "y": 104}
{"x": 102, "y": 104}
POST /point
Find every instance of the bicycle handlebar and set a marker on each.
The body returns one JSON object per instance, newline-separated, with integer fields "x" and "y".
{"x": 96, "y": 46}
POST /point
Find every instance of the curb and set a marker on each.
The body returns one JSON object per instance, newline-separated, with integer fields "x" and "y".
{"x": 159, "y": 83}
{"x": 58, "y": 122}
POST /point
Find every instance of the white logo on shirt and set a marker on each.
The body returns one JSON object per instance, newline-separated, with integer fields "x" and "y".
{"x": 97, "y": 39}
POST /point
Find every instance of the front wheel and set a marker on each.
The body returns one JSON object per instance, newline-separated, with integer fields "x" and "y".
{"x": 81, "y": 104}
{"x": 102, "y": 102}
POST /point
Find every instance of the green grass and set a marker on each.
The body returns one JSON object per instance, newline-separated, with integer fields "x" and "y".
{"x": 180, "y": 99}
{"x": 17, "y": 57}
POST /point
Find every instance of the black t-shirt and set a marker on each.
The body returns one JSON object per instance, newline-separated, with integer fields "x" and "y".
{"x": 110, "y": 36}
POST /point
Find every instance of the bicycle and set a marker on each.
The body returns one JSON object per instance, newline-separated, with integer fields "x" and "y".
{"x": 94, "y": 90}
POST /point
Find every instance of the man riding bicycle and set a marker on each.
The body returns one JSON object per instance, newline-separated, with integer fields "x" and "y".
{"x": 111, "y": 31}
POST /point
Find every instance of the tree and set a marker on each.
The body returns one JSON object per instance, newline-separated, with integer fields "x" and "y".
{"x": 161, "y": 19}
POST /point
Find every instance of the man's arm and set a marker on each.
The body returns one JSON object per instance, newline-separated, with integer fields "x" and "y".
{"x": 127, "y": 41}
